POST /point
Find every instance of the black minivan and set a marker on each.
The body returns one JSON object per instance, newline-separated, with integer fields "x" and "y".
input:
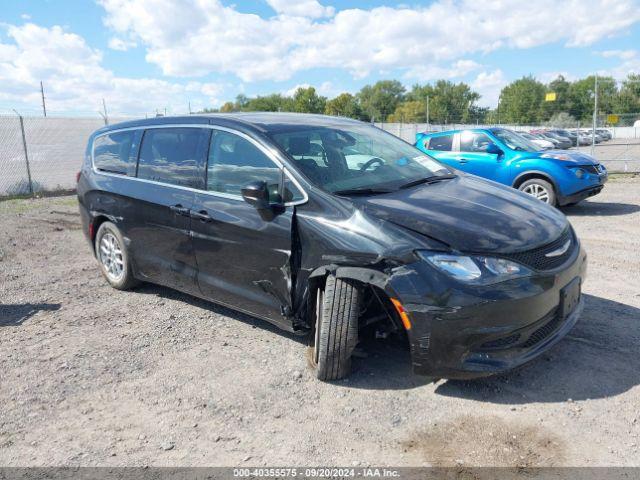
{"x": 331, "y": 227}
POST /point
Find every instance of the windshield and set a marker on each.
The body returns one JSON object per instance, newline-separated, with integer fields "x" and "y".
{"x": 515, "y": 141}
{"x": 355, "y": 157}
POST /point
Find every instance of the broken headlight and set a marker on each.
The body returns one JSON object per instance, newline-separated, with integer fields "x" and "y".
{"x": 475, "y": 269}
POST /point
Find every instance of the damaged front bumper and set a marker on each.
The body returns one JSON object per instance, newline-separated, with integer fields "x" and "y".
{"x": 464, "y": 331}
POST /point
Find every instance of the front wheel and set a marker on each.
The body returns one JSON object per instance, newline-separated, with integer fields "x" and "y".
{"x": 540, "y": 189}
{"x": 336, "y": 328}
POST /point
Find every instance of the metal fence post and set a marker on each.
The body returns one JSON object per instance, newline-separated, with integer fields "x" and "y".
{"x": 26, "y": 153}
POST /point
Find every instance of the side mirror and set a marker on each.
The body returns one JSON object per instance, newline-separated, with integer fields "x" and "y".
{"x": 494, "y": 149}
{"x": 256, "y": 194}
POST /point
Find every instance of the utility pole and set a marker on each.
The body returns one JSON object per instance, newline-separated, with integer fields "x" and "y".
{"x": 595, "y": 115}
{"x": 103, "y": 113}
{"x": 189, "y": 107}
{"x": 44, "y": 105}
{"x": 428, "y": 125}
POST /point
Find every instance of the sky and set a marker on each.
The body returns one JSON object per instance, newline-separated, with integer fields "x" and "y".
{"x": 143, "y": 56}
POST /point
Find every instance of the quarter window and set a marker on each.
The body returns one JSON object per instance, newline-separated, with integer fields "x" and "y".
{"x": 113, "y": 153}
{"x": 234, "y": 162}
{"x": 174, "y": 155}
{"x": 442, "y": 143}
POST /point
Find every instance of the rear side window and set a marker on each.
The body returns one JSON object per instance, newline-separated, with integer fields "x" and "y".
{"x": 174, "y": 155}
{"x": 113, "y": 153}
{"x": 442, "y": 143}
{"x": 234, "y": 162}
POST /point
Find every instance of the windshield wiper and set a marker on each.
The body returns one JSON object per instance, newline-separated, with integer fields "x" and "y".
{"x": 431, "y": 179}
{"x": 362, "y": 191}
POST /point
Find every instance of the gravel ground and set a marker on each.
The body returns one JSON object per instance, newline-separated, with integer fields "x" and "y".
{"x": 93, "y": 376}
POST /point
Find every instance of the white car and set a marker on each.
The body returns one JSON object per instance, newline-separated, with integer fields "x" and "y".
{"x": 543, "y": 144}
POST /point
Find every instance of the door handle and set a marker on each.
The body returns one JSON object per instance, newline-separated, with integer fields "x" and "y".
{"x": 202, "y": 215}
{"x": 463, "y": 160}
{"x": 179, "y": 210}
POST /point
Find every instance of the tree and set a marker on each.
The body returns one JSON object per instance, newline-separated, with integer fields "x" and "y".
{"x": 521, "y": 101}
{"x": 269, "y": 103}
{"x": 562, "y": 103}
{"x": 628, "y": 99}
{"x": 344, "y": 105}
{"x": 582, "y": 93}
{"x": 562, "y": 120}
{"x": 306, "y": 100}
{"x": 448, "y": 102}
{"x": 381, "y": 99}
{"x": 228, "y": 107}
{"x": 409, "y": 112}
{"x": 241, "y": 101}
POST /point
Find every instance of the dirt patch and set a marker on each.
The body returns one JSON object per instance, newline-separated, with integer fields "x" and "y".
{"x": 489, "y": 441}
{"x": 91, "y": 376}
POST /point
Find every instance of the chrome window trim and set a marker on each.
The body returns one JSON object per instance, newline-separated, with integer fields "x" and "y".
{"x": 270, "y": 153}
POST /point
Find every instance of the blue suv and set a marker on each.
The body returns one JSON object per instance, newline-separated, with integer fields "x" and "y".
{"x": 554, "y": 177}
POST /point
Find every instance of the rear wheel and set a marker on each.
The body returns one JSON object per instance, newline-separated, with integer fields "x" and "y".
{"x": 540, "y": 189}
{"x": 336, "y": 328}
{"x": 113, "y": 257}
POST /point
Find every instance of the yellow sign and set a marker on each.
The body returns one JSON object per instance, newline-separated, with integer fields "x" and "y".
{"x": 613, "y": 119}
{"x": 550, "y": 97}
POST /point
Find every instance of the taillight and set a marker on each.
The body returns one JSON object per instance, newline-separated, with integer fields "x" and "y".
{"x": 78, "y": 176}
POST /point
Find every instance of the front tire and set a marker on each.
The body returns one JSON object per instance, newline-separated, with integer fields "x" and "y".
{"x": 113, "y": 257}
{"x": 336, "y": 328}
{"x": 540, "y": 189}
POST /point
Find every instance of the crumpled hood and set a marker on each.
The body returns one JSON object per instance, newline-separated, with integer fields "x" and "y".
{"x": 470, "y": 214}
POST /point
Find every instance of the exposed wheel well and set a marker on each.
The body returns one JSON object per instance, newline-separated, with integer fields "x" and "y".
{"x": 375, "y": 308}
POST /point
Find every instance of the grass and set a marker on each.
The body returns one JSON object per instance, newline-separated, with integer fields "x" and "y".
{"x": 622, "y": 176}
{"x": 23, "y": 205}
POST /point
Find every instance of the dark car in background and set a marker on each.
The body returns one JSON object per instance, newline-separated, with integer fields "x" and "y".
{"x": 332, "y": 228}
{"x": 564, "y": 142}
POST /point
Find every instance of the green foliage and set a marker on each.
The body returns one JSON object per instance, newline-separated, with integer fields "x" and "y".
{"x": 344, "y": 105}
{"x": 380, "y": 99}
{"x": 521, "y": 102}
{"x": 306, "y": 100}
{"x": 562, "y": 120}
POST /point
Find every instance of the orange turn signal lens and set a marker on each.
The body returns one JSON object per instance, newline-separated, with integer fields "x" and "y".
{"x": 404, "y": 316}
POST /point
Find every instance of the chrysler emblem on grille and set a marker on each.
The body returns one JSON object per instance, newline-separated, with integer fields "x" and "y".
{"x": 559, "y": 251}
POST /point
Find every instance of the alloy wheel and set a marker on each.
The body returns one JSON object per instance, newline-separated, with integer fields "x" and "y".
{"x": 111, "y": 256}
{"x": 538, "y": 191}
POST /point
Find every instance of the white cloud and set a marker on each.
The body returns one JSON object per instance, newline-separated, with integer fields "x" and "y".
{"x": 122, "y": 45}
{"x": 75, "y": 79}
{"x": 25, "y": 16}
{"x": 621, "y": 54}
{"x": 301, "y": 8}
{"x": 547, "y": 77}
{"x": 630, "y": 63}
{"x": 489, "y": 85}
{"x": 199, "y": 37}
{"x": 291, "y": 91}
{"x": 427, "y": 72}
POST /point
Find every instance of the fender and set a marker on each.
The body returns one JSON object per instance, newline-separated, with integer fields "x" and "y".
{"x": 540, "y": 173}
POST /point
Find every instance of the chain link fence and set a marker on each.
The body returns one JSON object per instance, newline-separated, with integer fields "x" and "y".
{"x": 39, "y": 155}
